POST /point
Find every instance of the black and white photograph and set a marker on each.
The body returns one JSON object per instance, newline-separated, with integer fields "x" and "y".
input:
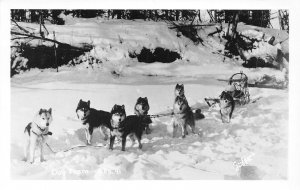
{"x": 149, "y": 94}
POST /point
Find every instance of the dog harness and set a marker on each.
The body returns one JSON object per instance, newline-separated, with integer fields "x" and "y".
{"x": 44, "y": 132}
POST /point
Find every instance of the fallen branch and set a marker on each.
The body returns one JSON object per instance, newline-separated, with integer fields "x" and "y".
{"x": 46, "y": 39}
{"x": 215, "y": 32}
{"x": 196, "y": 25}
{"x": 272, "y": 86}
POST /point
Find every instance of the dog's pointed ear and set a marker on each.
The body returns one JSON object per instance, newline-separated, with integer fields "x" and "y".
{"x": 41, "y": 111}
{"x": 177, "y": 85}
{"x": 123, "y": 107}
{"x": 50, "y": 110}
{"x": 146, "y": 98}
{"x": 88, "y": 103}
{"x": 113, "y": 108}
{"x": 79, "y": 103}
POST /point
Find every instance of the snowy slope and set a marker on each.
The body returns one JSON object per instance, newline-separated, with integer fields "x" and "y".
{"x": 256, "y": 138}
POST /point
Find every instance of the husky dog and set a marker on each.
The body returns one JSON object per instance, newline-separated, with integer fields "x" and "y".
{"x": 92, "y": 118}
{"x": 122, "y": 126}
{"x": 141, "y": 109}
{"x": 179, "y": 90}
{"x": 227, "y": 105}
{"x": 183, "y": 116}
{"x": 36, "y": 133}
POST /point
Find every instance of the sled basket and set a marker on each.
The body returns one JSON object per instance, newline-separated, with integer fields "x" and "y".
{"x": 240, "y": 83}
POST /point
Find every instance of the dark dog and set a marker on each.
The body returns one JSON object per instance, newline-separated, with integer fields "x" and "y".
{"x": 92, "y": 118}
{"x": 141, "y": 109}
{"x": 122, "y": 126}
{"x": 227, "y": 105}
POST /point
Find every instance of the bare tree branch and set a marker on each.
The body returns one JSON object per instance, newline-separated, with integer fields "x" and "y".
{"x": 20, "y": 26}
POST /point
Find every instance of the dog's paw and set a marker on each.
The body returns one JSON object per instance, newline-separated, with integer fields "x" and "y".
{"x": 123, "y": 149}
{"x": 140, "y": 146}
{"x": 200, "y": 134}
{"x": 43, "y": 160}
{"x": 182, "y": 137}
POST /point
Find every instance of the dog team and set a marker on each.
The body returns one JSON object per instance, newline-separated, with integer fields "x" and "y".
{"x": 117, "y": 124}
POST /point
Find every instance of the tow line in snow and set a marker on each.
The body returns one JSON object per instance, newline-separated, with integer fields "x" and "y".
{"x": 172, "y": 113}
{"x": 71, "y": 148}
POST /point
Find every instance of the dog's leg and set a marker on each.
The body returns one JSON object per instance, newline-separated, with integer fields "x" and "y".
{"x": 104, "y": 132}
{"x": 91, "y": 129}
{"x": 87, "y": 136}
{"x": 183, "y": 130}
{"x": 33, "y": 139}
{"x": 228, "y": 119}
{"x": 139, "y": 137}
{"x": 192, "y": 123}
{"x": 123, "y": 142}
{"x": 42, "y": 159}
{"x": 147, "y": 129}
{"x": 26, "y": 149}
{"x": 112, "y": 141}
{"x": 222, "y": 117}
{"x": 175, "y": 126}
{"x": 131, "y": 136}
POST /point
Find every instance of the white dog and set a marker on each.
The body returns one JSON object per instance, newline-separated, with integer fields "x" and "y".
{"x": 36, "y": 133}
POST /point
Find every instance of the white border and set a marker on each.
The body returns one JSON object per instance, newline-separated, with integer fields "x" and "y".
{"x": 294, "y": 145}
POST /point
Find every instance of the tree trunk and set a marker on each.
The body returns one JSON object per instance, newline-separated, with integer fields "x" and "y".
{"x": 177, "y": 15}
{"x": 167, "y": 14}
{"x": 199, "y": 15}
{"x": 234, "y": 25}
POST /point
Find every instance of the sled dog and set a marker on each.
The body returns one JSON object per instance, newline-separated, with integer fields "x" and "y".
{"x": 141, "y": 109}
{"x": 227, "y": 105}
{"x": 179, "y": 90}
{"x": 36, "y": 133}
{"x": 122, "y": 126}
{"x": 91, "y": 119}
{"x": 183, "y": 115}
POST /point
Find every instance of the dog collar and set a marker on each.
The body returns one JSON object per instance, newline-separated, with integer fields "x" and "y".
{"x": 41, "y": 130}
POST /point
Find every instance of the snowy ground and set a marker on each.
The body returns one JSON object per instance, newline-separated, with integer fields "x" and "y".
{"x": 258, "y": 130}
{"x": 256, "y": 138}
